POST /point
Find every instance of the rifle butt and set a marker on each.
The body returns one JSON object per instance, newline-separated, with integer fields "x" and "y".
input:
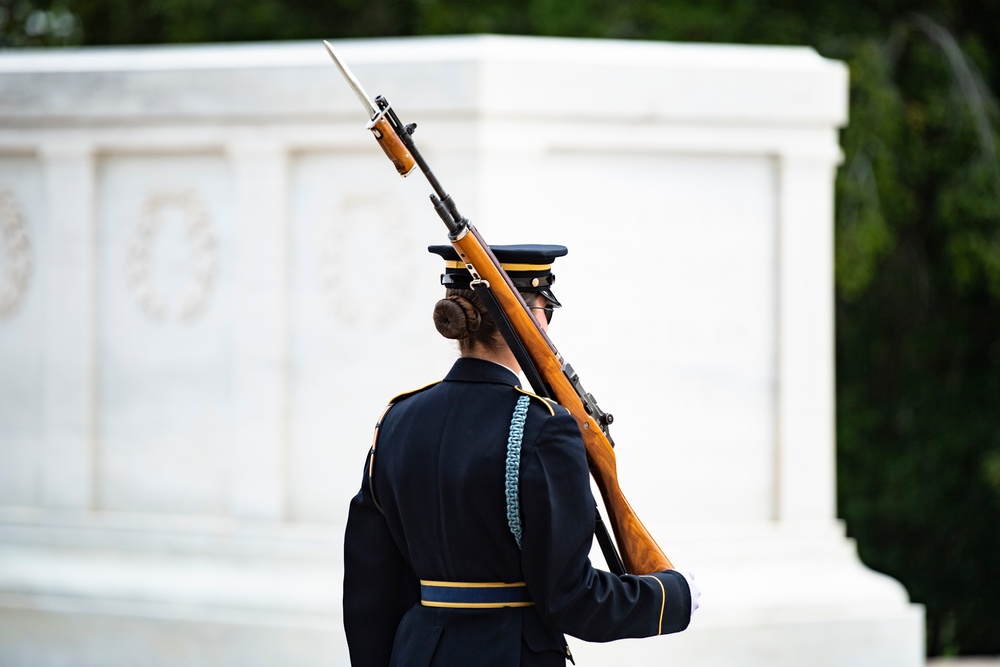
{"x": 639, "y": 551}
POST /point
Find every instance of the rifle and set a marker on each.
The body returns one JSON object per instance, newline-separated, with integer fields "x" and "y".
{"x": 548, "y": 373}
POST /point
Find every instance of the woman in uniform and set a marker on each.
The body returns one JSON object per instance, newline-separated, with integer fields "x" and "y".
{"x": 468, "y": 543}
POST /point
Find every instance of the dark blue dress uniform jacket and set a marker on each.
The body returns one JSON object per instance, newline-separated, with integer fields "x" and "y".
{"x": 435, "y": 509}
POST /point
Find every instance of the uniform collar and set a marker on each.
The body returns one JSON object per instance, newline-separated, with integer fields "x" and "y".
{"x": 469, "y": 369}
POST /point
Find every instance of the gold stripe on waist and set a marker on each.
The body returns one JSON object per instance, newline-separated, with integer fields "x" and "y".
{"x": 474, "y": 594}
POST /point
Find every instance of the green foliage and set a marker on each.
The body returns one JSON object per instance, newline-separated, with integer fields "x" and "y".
{"x": 917, "y": 233}
{"x": 111, "y": 22}
{"x": 877, "y": 115}
{"x": 918, "y": 325}
{"x": 444, "y": 17}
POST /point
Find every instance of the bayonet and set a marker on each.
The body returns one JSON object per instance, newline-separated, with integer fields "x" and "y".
{"x": 356, "y": 86}
{"x": 380, "y": 114}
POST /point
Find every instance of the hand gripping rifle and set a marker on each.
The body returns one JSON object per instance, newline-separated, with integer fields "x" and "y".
{"x": 550, "y": 376}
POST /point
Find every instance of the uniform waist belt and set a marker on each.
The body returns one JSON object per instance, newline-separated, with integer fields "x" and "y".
{"x": 473, "y": 595}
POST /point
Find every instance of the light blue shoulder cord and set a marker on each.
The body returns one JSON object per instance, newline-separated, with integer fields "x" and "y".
{"x": 514, "y": 466}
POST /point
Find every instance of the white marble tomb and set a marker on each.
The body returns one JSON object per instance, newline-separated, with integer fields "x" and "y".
{"x": 211, "y": 281}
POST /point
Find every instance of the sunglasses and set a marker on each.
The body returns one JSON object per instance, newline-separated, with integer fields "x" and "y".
{"x": 548, "y": 311}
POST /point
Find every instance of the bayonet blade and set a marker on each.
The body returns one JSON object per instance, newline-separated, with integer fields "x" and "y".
{"x": 353, "y": 81}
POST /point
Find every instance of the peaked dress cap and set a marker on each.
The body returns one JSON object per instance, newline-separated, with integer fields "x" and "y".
{"x": 529, "y": 266}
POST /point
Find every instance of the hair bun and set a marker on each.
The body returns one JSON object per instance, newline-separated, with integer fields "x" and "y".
{"x": 456, "y": 317}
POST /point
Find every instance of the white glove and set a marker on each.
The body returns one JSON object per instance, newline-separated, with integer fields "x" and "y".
{"x": 695, "y": 591}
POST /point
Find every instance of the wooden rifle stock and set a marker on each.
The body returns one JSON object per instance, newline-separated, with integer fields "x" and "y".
{"x": 639, "y": 552}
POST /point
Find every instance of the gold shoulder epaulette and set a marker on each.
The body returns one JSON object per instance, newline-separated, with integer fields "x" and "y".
{"x": 548, "y": 403}
{"x": 406, "y": 394}
{"x": 378, "y": 425}
{"x": 396, "y": 399}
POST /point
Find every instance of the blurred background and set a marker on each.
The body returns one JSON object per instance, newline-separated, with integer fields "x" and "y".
{"x": 917, "y": 234}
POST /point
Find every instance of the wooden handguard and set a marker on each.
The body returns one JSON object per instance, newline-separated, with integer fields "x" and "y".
{"x": 393, "y": 147}
{"x": 639, "y": 551}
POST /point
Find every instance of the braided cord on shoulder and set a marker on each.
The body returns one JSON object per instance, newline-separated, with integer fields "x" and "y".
{"x": 514, "y": 466}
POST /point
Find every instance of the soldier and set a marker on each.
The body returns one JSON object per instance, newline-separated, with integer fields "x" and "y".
{"x": 469, "y": 541}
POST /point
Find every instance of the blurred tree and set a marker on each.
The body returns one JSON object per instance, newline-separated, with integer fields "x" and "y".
{"x": 918, "y": 327}
{"x": 917, "y": 233}
{"x": 113, "y": 22}
{"x": 23, "y": 23}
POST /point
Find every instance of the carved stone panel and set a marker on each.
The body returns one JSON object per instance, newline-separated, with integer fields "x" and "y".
{"x": 21, "y": 321}
{"x": 16, "y": 249}
{"x": 163, "y": 372}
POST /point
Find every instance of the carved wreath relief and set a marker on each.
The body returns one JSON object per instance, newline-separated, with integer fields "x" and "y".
{"x": 358, "y": 224}
{"x": 17, "y": 252}
{"x": 202, "y": 262}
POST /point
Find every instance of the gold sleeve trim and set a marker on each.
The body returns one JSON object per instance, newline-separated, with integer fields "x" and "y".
{"x": 663, "y": 600}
